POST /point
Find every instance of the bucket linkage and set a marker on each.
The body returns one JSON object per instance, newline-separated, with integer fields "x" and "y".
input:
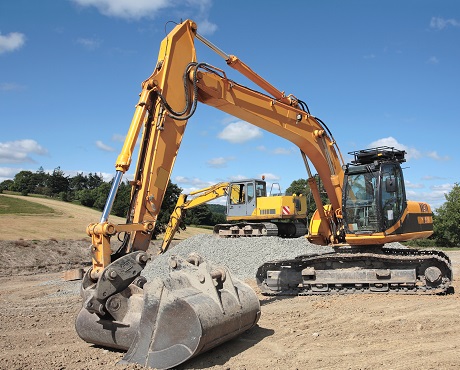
{"x": 164, "y": 322}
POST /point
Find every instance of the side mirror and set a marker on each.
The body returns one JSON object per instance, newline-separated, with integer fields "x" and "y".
{"x": 390, "y": 185}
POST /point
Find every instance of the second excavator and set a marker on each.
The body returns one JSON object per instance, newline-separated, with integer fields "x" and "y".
{"x": 251, "y": 210}
{"x": 164, "y": 322}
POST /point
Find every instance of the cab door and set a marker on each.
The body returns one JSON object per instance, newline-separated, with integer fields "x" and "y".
{"x": 393, "y": 197}
{"x": 241, "y": 199}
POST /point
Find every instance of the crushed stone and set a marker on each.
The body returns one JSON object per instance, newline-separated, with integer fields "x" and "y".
{"x": 242, "y": 256}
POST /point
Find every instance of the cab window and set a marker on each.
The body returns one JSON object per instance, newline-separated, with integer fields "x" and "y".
{"x": 237, "y": 195}
{"x": 250, "y": 192}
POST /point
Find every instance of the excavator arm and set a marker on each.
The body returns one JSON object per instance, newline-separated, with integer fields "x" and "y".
{"x": 199, "y": 197}
{"x": 162, "y": 127}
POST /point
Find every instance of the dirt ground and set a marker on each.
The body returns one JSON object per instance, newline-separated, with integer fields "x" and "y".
{"x": 333, "y": 332}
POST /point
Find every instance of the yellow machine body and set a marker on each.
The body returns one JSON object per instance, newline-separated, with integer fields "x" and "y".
{"x": 164, "y": 322}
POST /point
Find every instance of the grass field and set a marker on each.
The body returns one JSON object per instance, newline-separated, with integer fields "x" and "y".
{"x": 37, "y": 218}
{"x": 9, "y": 205}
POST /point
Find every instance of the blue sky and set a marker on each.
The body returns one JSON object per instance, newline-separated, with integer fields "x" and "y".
{"x": 377, "y": 73}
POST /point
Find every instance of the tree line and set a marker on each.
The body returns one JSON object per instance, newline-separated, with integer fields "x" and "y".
{"x": 91, "y": 191}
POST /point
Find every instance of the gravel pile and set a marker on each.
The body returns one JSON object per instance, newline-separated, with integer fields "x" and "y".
{"x": 242, "y": 256}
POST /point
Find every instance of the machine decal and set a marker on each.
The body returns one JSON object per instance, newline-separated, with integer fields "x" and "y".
{"x": 286, "y": 210}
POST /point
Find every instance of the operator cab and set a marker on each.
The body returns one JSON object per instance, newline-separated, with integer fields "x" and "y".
{"x": 242, "y": 196}
{"x": 374, "y": 197}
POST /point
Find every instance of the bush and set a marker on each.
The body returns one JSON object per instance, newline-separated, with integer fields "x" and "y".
{"x": 422, "y": 243}
{"x": 64, "y": 196}
{"x": 447, "y": 220}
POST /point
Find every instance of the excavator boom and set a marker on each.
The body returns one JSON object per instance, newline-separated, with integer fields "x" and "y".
{"x": 201, "y": 196}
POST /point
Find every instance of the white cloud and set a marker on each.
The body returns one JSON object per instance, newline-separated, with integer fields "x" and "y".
{"x": 10, "y": 86}
{"x": 205, "y": 27}
{"x": 11, "y": 42}
{"x": 239, "y": 132}
{"x": 118, "y": 138}
{"x": 200, "y": 8}
{"x": 434, "y": 155}
{"x": 410, "y": 185}
{"x": 8, "y": 173}
{"x": 435, "y": 197}
{"x": 219, "y": 162}
{"x": 440, "y": 23}
{"x": 180, "y": 179}
{"x": 104, "y": 147}
{"x": 432, "y": 60}
{"x": 227, "y": 119}
{"x": 390, "y": 141}
{"x": 411, "y": 153}
{"x": 282, "y": 151}
{"x": 192, "y": 183}
{"x": 138, "y": 9}
{"x": 430, "y": 178}
{"x": 127, "y": 9}
{"x": 19, "y": 151}
{"x": 89, "y": 44}
{"x": 445, "y": 188}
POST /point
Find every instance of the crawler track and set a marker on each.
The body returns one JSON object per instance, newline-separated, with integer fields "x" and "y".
{"x": 388, "y": 270}
{"x": 242, "y": 229}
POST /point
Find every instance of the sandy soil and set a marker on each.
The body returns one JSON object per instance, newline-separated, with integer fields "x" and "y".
{"x": 334, "y": 332}
{"x": 338, "y": 332}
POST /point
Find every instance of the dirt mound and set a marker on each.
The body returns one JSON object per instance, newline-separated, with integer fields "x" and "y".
{"x": 25, "y": 257}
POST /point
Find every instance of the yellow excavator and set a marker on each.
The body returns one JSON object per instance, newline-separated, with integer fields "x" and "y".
{"x": 253, "y": 212}
{"x": 163, "y": 322}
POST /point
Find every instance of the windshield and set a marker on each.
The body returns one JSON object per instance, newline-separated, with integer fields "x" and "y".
{"x": 261, "y": 189}
{"x": 361, "y": 202}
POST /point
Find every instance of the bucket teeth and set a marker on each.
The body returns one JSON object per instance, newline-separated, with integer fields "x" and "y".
{"x": 199, "y": 306}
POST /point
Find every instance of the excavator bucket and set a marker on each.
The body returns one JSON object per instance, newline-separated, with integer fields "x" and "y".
{"x": 165, "y": 322}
